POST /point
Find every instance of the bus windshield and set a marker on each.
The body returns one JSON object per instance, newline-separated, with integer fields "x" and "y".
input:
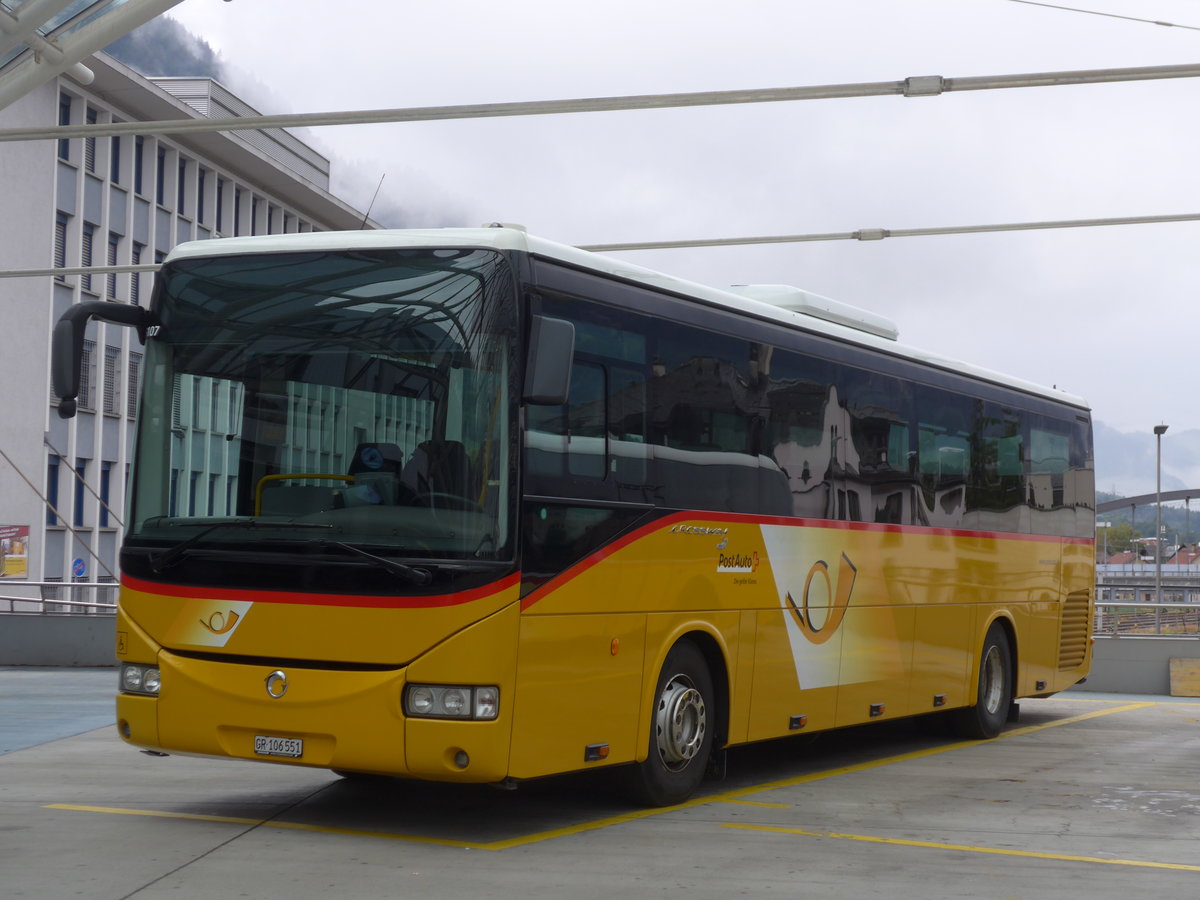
{"x": 358, "y": 400}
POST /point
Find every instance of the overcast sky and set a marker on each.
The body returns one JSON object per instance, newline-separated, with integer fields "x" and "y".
{"x": 1107, "y": 313}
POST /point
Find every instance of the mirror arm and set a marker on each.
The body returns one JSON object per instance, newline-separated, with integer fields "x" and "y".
{"x": 67, "y": 344}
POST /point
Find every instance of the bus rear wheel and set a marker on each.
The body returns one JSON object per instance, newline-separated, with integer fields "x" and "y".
{"x": 994, "y": 690}
{"x": 681, "y": 730}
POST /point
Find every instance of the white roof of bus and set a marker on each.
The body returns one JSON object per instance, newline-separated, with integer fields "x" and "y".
{"x": 510, "y": 238}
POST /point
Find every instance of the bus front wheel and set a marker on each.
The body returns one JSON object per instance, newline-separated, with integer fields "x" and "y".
{"x": 994, "y": 691}
{"x": 681, "y": 730}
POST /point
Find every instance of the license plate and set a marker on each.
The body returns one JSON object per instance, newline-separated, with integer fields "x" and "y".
{"x": 278, "y": 746}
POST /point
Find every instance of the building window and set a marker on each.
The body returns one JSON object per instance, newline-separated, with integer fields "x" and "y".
{"x": 64, "y": 118}
{"x": 181, "y": 188}
{"x": 51, "y": 490}
{"x": 195, "y": 477}
{"x": 237, "y": 212}
{"x": 60, "y": 243}
{"x": 196, "y": 410}
{"x": 201, "y": 176}
{"x": 111, "y": 279}
{"x": 89, "y": 143}
{"x": 135, "y": 372}
{"x": 254, "y": 215}
{"x": 139, "y": 146}
{"x": 112, "y": 380}
{"x": 105, "y": 477}
{"x": 85, "y": 253}
{"x": 135, "y": 278}
{"x": 80, "y": 480}
{"x": 87, "y": 375}
{"x": 160, "y": 177}
{"x": 220, "y": 205}
{"x": 114, "y": 159}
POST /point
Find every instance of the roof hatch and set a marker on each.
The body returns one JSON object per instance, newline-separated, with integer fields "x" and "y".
{"x": 794, "y": 299}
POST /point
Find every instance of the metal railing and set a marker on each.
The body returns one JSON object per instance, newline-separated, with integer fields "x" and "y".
{"x": 1147, "y": 619}
{"x": 58, "y": 598}
{"x": 1128, "y": 603}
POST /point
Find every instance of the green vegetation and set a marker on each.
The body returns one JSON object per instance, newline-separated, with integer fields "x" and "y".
{"x": 1180, "y": 524}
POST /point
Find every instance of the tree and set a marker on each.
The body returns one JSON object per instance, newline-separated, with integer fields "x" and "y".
{"x": 1117, "y": 538}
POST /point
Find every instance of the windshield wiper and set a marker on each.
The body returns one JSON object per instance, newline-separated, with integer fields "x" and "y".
{"x": 163, "y": 560}
{"x": 413, "y": 574}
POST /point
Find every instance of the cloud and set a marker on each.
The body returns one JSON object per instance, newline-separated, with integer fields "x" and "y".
{"x": 1126, "y": 462}
{"x": 163, "y": 47}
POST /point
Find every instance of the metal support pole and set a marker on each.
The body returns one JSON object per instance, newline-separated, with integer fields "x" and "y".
{"x": 1159, "y": 431}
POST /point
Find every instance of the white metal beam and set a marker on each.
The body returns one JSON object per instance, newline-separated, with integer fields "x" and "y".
{"x": 25, "y": 20}
{"x": 51, "y": 56}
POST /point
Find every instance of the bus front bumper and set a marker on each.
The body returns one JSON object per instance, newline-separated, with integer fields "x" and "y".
{"x": 324, "y": 718}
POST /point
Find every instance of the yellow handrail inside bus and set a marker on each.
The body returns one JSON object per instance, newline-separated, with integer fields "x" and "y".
{"x": 262, "y": 483}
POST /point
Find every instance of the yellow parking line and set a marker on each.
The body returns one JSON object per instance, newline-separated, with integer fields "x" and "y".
{"x": 732, "y": 796}
{"x": 966, "y": 848}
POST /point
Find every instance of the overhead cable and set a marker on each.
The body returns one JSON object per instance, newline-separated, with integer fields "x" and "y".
{"x": 1094, "y": 12}
{"x": 878, "y": 234}
{"x": 913, "y": 86}
{"x": 862, "y": 234}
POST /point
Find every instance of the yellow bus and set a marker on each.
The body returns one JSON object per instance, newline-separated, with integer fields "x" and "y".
{"x": 468, "y": 505}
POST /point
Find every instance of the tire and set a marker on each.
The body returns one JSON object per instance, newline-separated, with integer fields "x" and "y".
{"x": 994, "y": 689}
{"x": 682, "y": 724}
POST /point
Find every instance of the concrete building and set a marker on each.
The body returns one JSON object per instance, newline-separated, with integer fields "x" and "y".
{"x": 121, "y": 200}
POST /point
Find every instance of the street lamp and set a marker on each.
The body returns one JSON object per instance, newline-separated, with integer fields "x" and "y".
{"x": 1159, "y": 431}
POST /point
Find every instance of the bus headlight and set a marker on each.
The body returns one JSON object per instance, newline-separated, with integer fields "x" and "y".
{"x": 140, "y": 680}
{"x": 452, "y": 701}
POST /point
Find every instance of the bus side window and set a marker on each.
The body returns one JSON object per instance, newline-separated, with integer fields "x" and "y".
{"x": 943, "y": 456}
{"x": 587, "y": 450}
{"x": 628, "y": 449}
{"x": 703, "y": 408}
{"x": 876, "y": 463}
{"x": 801, "y": 406}
{"x": 570, "y": 439}
{"x": 996, "y": 495}
{"x": 1049, "y": 462}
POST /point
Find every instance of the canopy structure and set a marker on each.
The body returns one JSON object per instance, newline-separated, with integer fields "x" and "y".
{"x": 40, "y": 39}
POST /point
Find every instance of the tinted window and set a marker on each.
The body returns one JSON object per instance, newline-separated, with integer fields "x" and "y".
{"x": 742, "y": 416}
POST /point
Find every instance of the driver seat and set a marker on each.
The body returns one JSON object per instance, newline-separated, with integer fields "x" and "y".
{"x": 439, "y": 467}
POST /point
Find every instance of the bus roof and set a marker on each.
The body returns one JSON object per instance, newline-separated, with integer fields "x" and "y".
{"x": 779, "y": 303}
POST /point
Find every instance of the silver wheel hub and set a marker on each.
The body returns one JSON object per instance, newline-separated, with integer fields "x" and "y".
{"x": 993, "y": 680}
{"x": 680, "y": 722}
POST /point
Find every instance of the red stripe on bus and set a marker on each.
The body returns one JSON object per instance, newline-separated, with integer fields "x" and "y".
{"x": 749, "y": 519}
{"x": 309, "y": 599}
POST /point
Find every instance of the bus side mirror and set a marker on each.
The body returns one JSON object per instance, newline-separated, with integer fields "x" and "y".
{"x": 548, "y": 367}
{"x": 66, "y": 350}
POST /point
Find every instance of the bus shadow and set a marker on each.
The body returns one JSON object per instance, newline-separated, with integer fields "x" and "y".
{"x": 488, "y": 817}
